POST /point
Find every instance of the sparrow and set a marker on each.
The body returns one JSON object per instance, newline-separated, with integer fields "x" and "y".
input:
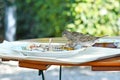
{"x": 79, "y": 39}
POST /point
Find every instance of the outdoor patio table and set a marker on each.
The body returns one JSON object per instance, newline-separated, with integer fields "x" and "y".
{"x": 107, "y": 64}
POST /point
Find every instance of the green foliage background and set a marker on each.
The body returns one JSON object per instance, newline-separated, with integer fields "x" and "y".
{"x": 48, "y": 18}
{"x": 96, "y": 17}
{"x": 1, "y": 19}
{"x": 41, "y": 18}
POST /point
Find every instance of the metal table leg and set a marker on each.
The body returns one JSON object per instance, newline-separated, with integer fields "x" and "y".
{"x": 60, "y": 73}
{"x": 41, "y": 73}
{"x": 43, "y": 77}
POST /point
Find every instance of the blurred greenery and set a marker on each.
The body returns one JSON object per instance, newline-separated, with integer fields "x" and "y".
{"x": 48, "y": 18}
{"x": 41, "y": 18}
{"x": 96, "y": 17}
{"x": 1, "y": 20}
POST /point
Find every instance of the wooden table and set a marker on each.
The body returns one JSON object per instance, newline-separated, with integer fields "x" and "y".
{"x": 108, "y": 64}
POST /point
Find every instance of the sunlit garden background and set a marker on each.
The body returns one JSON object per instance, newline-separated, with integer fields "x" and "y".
{"x": 48, "y": 18}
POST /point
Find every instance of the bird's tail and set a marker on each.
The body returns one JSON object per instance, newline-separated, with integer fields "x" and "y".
{"x": 102, "y": 37}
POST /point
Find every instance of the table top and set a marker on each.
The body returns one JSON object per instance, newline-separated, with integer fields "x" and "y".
{"x": 106, "y": 63}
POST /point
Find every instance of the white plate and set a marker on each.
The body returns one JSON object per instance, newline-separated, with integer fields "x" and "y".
{"x": 19, "y": 49}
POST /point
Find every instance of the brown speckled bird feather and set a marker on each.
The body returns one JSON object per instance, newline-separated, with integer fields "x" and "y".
{"x": 76, "y": 38}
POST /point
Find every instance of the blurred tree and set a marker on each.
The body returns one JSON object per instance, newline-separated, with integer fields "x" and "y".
{"x": 10, "y": 20}
{"x": 41, "y": 18}
{"x": 96, "y": 17}
{"x": 48, "y": 18}
{"x": 1, "y": 20}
